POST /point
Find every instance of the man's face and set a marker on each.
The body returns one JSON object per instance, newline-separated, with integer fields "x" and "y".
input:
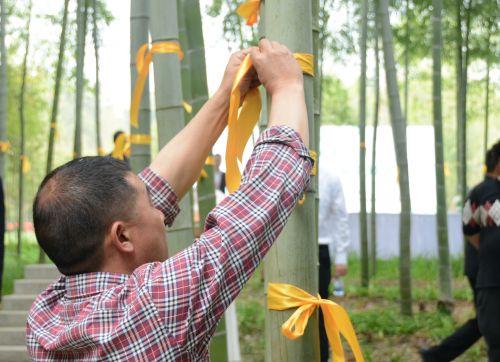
{"x": 147, "y": 227}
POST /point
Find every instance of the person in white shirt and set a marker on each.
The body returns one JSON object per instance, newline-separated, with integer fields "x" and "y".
{"x": 333, "y": 239}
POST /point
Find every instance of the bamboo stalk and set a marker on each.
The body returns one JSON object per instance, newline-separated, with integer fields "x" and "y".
{"x": 3, "y": 86}
{"x": 95, "y": 36}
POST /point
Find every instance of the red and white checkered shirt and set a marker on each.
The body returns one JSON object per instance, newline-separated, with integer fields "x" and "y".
{"x": 169, "y": 311}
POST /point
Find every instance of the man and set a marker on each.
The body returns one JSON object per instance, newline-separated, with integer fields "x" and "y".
{"x": 103, "y": 227}
{"x": 121, "y": 147}
{"x": 482, "y": 227}
{"x": 333, "y": 239}
{"x": 219, "y": 176}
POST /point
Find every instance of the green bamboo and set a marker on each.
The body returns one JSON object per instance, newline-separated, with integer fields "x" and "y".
{"x": 316, "y": 97}
{"x": 55, "y": 102}
{"x": 81, "y": 31}
{"x": 458, "y": 89}
{"x": 407, "y": 57}
{"x": 487, "y": 90}
{"x": 139, "y": 35}
{"x": 95, "y": 35}
{"x": 294, "y": 257}
{"x": 363, "y": 225}
{"x": 169, "y": 109}
{"x": 199, "y": 95}
{"x": 373, "y": 212}
{"x": 22, "y": 122}
{"x": 3, "y": 87}
{"x": 442, "y": 222}
{"x": 399, "y": 133}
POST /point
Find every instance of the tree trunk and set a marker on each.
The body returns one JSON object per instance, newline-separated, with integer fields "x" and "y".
{"x": 199, "y": 95}
{"x": 442, "y": 223}
{"x": 399, "y": 133}
{"x": 487, "y": 104}
{"x": 463, "y": 108}
{"x": 22, "y": 120}
{"x": 95, "y": 36}
{"x": 363, "y": 232}
{"x": 3, "y": 87}
{"x": 373, "y": 212}
{"x": 294, "y": 257}
{"x": 81, "y": 32}
{"x": 407, "y": 57}
{"x": 169, "y": 109}
{"x": 458, "y": 85}
{"x": 55, "y": 102}
{"x": 140, "y": 157}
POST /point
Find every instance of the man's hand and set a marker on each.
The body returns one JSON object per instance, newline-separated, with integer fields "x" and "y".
{"x": 249, "y": 81}
{"x": 340, "y": 270}
{"x": 280, "y": 73}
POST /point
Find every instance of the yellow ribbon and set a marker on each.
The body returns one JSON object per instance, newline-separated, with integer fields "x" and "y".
{"x": 101, "y": 151}
{"x": 242, "y": 119}
{"x": 144, "y": 58}
{"x": 187, "y": 107}
{"x": 250, "y": 11}
{"x": 140, "y": 139}
{"x": 122, "y": 147}
{"x": 210, "y": 161}
{"x": 286, "y": 296}
{"x": 25, "y": 164}
{"x": 5, "y": 146}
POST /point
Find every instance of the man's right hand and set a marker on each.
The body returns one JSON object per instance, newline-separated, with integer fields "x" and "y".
{"x": 276, "y": 66}
{"x": 282, "y": 77}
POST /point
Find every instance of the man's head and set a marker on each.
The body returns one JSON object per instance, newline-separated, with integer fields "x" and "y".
{"x": 217, "y": 161}
{"x": 94, "y": 214}
{"x": 493, "y": 160}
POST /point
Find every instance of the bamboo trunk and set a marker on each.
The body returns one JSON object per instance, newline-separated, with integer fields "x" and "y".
{"x": 199, "y": 95}
{"x": 95, "y": 36}
{"x": 22, "y": 122}
{"x": 140, "y": 157}
{"x": 3, "y": 87}
{"x": 406, "y": 57}
{"x": 373, "y": 212}
{"x": 458, "y": 96}
{"x": 399, "y": 133}
{"x": 487, "y": 105}
{"x": 55, "y": 102}
{"x": 294, "y": 257}
{"x": 363, "y": 231}
{"x": 169, "y": 109}
{"x": 442, "y": 223}
{"x": 81, "y": 32}
{"x": 463, "y": 107}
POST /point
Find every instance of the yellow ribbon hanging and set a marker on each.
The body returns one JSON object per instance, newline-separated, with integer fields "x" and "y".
{"x": 242, "y": 119}
{"x": 249, "y": 11}
{"x": 144, "y": 58}
{"x": 210, "y": 161}
{"x": 122, "y": 147}
{"x": 25, "y": 164}
{"x": 286, "y": 296}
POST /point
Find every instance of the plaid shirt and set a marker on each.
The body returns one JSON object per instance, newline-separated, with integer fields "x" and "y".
{"x": 169, "y": 311}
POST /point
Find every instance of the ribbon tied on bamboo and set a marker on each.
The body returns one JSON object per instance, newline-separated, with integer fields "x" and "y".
{"x": 244, "y": 117}
{"x": 337, "y": 322}
{"x": 249, "y": 11}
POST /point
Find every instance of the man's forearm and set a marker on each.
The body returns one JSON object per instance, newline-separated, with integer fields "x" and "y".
{"x": 181, "y": 160}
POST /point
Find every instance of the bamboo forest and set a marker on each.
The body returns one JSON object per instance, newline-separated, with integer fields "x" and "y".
{"x": 250, "y": 180}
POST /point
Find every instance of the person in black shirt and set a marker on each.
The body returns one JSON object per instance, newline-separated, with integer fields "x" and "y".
{"x": 481, "y": 219}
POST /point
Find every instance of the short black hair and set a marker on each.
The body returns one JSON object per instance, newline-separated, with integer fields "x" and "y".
{"x": 117, "y": 134}
{"x": 74, "y": 207}
{"x": 493, "y": 157}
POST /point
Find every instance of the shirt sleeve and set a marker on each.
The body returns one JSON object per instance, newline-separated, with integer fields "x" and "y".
{"x": 341, "y": 235}
{"x": 470, "y": 215}
{"x": 192, "y": 289}
{"x": 161, "y": 193}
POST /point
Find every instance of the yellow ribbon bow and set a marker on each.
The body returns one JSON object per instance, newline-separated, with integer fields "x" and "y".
{"x": 242, "y": 120}
{"x": 144, "y": 58}
{"x": 5, "y": 146}
{"x": 286, "y": 296}
{"x": 249, "y": 11}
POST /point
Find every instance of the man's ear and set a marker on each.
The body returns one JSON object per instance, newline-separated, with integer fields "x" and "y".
{"x": 119, "y": 235}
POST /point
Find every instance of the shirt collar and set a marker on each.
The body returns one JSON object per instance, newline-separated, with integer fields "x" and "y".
{"x": 87, "y": 284}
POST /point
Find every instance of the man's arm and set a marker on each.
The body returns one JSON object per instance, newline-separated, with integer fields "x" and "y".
{"x": 181, "y": 160}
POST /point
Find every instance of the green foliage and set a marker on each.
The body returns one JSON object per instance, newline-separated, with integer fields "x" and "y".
{"x": 337, "y": 106}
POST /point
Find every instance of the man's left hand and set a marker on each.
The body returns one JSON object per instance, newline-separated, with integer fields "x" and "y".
{"x": 251, "y": 80}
